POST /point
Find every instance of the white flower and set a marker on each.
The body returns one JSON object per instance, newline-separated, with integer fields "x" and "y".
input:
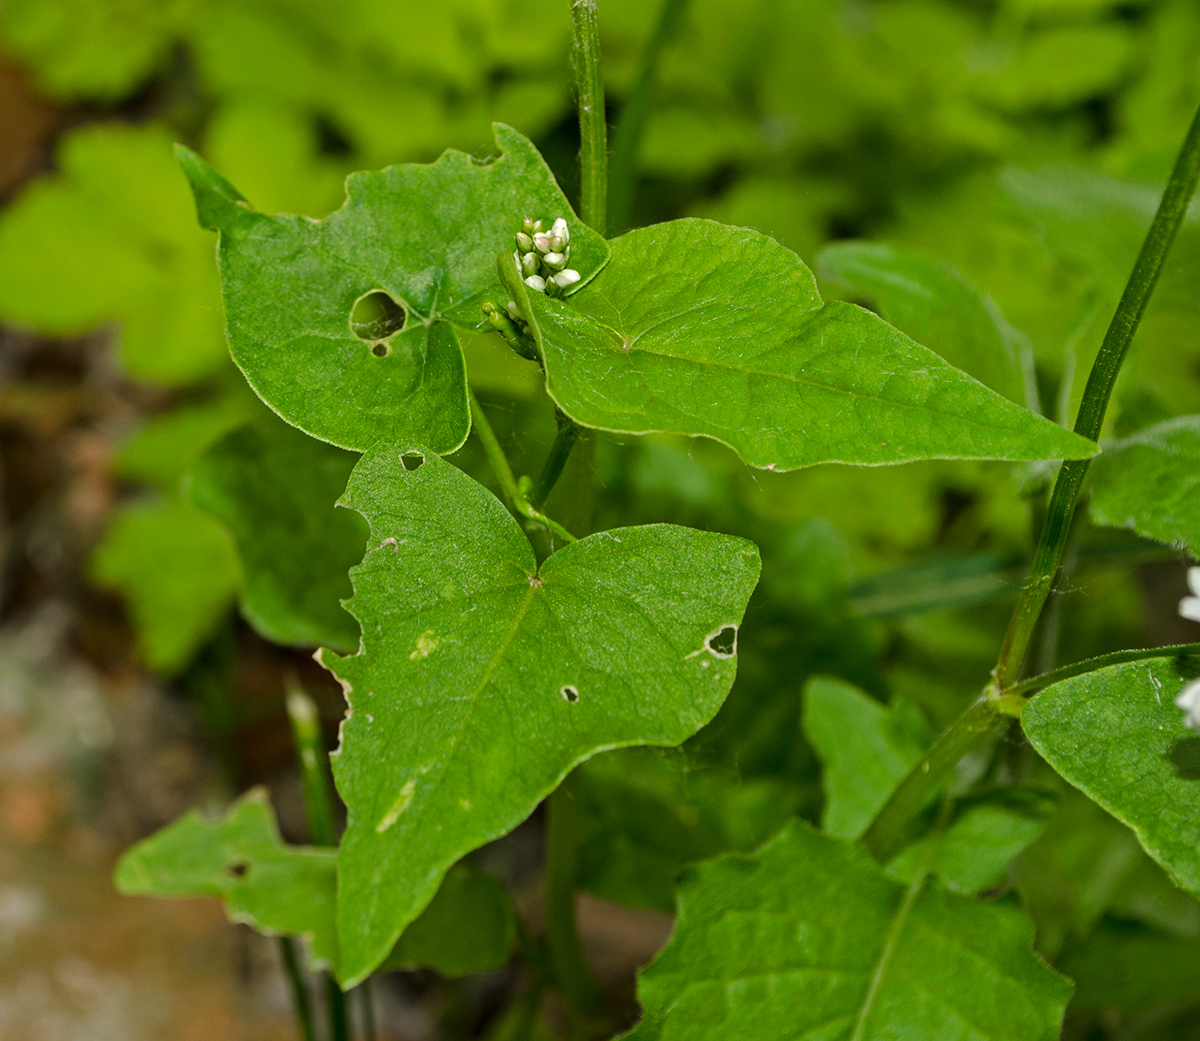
{"x": 542, "y": 242}
{"x": 524, "y": 242}
{"x": 529, "y": 263}
{"x": 1189, "y": 606}
{"x": 1189, "y": 701}
{"x": 514, "y": 312}
{"x": 555, "y": 260}
{"x": 565, "y": 278}
{"x": 561, "y": 231}
{"x": 536, "y": 282}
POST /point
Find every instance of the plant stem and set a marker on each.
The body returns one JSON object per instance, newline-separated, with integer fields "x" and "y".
{"x": 335, "y": 998}
{"x": 987, "y": 716}
{"x": 593, "y": 129}
{"x": 564, "y": 842}
{"x": 627, "y": 135}
{"x": 1090, "y": 421}
{"x": 509, "y": 485}
{"x": 314, "y": 763}
{"x": 366, "y": 1006}
{"x": 299, "y": 988}
{"x": 885, "y": 837}
{"x": 1080, "y": 668}
{"x": 560, "y": 452}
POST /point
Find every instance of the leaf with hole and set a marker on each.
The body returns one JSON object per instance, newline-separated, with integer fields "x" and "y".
{"x": 1150, "y": 483}
{"x": 296, "y": 548}
{"x": 808, "y": 938}
{"x": 697, "y": 328}
{"x": 1117, "y": 736}
{"x": 484, "y": 678}
{"x": 344, "y": 325}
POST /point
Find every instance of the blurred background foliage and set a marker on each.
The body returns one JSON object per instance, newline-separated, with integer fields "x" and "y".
{"x": 1003, "y": 157}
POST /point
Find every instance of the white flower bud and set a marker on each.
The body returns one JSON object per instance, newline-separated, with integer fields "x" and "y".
{"x": 524, "y": 242}
{"x": 530, "y": 263}
{"x": 529, "y": 225}
{"x": 555, "y": 260}
{"x": 514, "y": 312}
{"x": 555, "y": 243}
{"x": 1189, "y": 606}
{"x": 542, "y": 242}
{"x": 561, "y": 230}
{"x": 536, "y": 282}
{"x": 1189, "y": 701}
{"x": 565, "y": 278}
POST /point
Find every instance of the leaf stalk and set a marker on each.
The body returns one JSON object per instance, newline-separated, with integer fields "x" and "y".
{"x": 593, "y": 127}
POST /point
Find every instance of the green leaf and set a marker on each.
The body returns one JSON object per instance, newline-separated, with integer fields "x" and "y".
{"x": 469, "y": 926}
{"x": 164, "y": 449}
{"x": 424, "y": 235}
{"x": 648, "y": 813}
{"x": 484, "y": 679}
{"x": 808, "y": 938}
{"x": 1117, "y": 736}
{"x": 274, "y": 488}
{"x": 934, "y": 305}
{"x": 866, "y": 748}
{"x": 110, "y": 239}
{"x": 1150, "y": 483}
{"x": 1131, "y": 966}
{"x": 179, "y": 571}
{"x": 278, "y": 889}
{"x": 702, "y": 329}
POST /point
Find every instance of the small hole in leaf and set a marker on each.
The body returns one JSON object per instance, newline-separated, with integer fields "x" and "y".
{"x": 412, "y": 460}
{"x": 377, "y": 316}
{"x": 723, "y": 643}
{"x": 240, "y": 869}
{"x": 380, "y": 350}
{"x": 570, "y": 693}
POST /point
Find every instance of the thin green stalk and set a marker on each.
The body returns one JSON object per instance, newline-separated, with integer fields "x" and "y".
{"x": 1181, "y": 186}
{"x": 631, "y": 126}
{"x": 509, "y": 485}
{"x": 335, "y": 999}
{"x": 593, "y": 128}
{"x": 301, "y": 1003}
{"x": 988, "y": 715}
{"x": 1027, "y": 687}
{"x": 366, "y": 1007}
{"x": 314, "y": 764}
{"x": 564, "y": 842}
{"x": 560, "y": 452}
{"x": 886, "y": 835}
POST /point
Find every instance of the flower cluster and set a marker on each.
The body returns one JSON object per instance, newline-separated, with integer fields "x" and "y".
{"x": 542, "y": 257}
{"x": 1189, "y": 607}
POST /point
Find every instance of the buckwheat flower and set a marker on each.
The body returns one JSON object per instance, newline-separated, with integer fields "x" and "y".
{"x": 555, "y": 260}
{"x": 1189, "y": 701}
{"x": 1189, "y": 606}
{"x": 529, "y": 225}
{"x": 541, "y": 242}
{"x": 565, "y": 278}
{"x": 530, "y": 263}
{"x": 514, "y": 312}
{"x": 524, "y": 242}
{"x": 560, "y": 231}
{"x": 536, "y": 282}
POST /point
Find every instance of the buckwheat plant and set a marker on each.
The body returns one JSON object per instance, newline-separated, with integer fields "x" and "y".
{"x": 492, "y": 650}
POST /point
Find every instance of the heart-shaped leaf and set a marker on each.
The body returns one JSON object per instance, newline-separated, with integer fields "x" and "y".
{"x": 421, "y": 241}
{"x": 484, "y": 679}
{"x": 809, "y": 939}
{"x": 698, "y": 328}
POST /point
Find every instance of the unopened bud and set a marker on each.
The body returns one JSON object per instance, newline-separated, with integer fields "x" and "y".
{"x": 555, "y": 260}
{"x": 524, "y": 242}
{"x": 529, "y": 225}
{"x": 542, "y": 241}
{"x": 530, "y": 263}
{"x": 536, "y": 282}
{"x": 514, "y": 312}
{"x": 561, "y": 230}
{"x": 565, "y": 278}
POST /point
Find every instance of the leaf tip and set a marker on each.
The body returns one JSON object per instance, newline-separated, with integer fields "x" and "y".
{"x": 219, "y": 205}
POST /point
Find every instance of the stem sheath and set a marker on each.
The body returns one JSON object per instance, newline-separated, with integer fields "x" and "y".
{"x": 593, "y": 129}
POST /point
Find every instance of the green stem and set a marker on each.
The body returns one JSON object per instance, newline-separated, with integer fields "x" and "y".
{"x": 564, "y": 843}
{"x": 299, "y": 988}
{"x": 366, "y": 1006}
{"x": 989, "y": 715}
{"x": 509, "y": 485}
{"x": 314, "y": 764}
{"x": 335, "y": 999}
{"x": 1036, "y": 683}
{"x": 560, "y": 452}
{"x": 1090, "y": 421}
{"x": 886, "y": 835}
{"x": 627, "y": 135}
{"x": 593, "y": 129}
